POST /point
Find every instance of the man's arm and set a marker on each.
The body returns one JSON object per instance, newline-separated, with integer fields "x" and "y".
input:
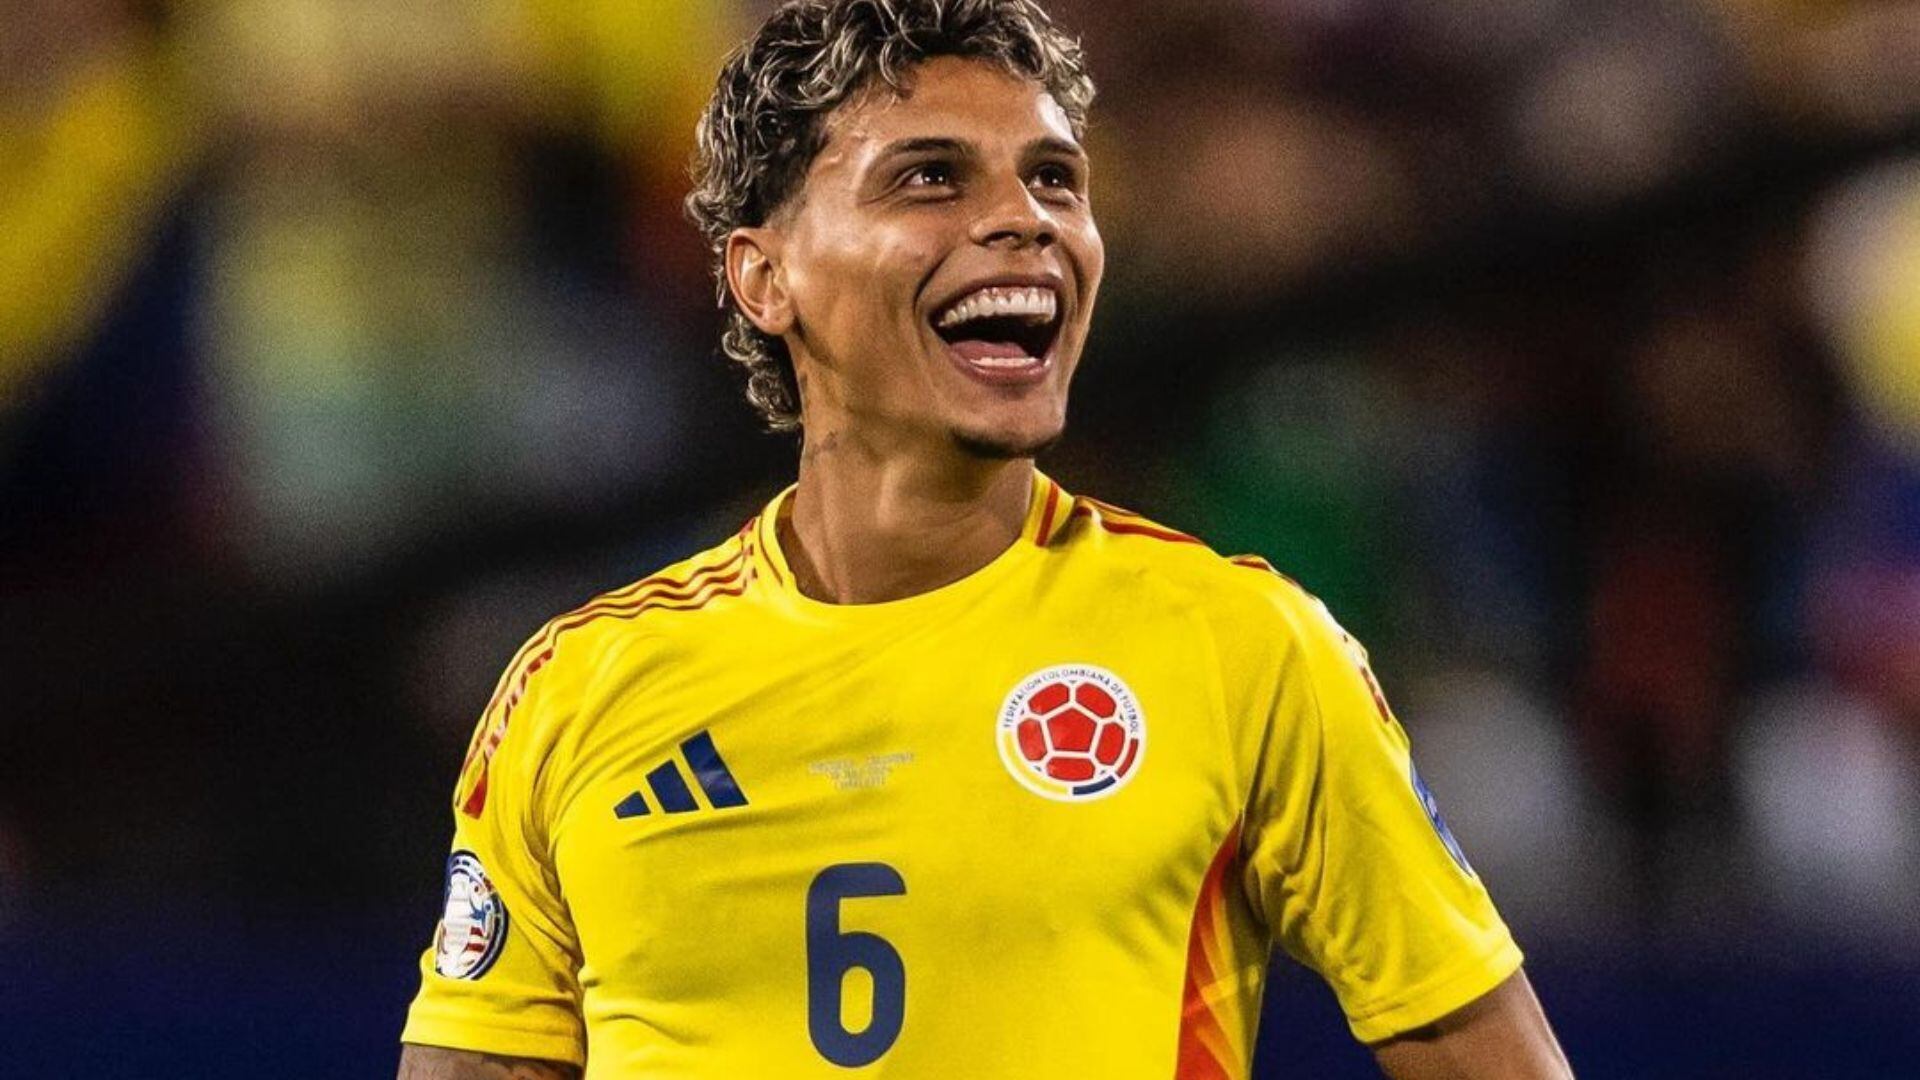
{"x": 439, "y": 1063}
{"x": 1501, "y": 1036}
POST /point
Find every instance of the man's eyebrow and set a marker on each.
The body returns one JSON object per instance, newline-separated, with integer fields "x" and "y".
{"x": 1051, "y": 144}
{"x": 925, "y": 144}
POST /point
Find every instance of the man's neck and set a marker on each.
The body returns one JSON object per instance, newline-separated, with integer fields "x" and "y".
{"x": 866, "y": 527}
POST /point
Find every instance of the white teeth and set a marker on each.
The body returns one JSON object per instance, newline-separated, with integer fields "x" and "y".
{"x": 1039, "y": 304}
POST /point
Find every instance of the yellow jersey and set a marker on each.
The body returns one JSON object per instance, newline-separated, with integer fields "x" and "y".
{"x": 1047, "y": 820}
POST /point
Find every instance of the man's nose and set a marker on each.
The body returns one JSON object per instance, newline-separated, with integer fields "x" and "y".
{"x": 1012, "y": 217}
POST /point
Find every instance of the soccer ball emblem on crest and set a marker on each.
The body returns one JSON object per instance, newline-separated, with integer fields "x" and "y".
{"x": 1072, "y": 733}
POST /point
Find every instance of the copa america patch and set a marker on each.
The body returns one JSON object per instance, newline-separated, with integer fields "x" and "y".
{"x": 1073, "y": 732}
{"x": 1432, "y": 806}
{"x": 473, "y": 926}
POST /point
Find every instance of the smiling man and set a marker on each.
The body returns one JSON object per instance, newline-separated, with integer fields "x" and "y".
{"x": 934, "y": 769}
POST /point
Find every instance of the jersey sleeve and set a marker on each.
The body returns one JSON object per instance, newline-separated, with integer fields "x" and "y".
{"x": 1348, "y": 859}
{"x": 501, "y": 975}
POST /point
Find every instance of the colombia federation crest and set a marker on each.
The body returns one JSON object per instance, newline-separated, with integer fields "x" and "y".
{"x": 1072, "y": 732}
{"x": 474, "y": 924}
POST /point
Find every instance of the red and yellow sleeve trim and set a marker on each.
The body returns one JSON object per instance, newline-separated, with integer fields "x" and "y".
{"x": 726, "y": 573}
{"x": 1124, "y": 522}
{"x": 1255, "y": 562}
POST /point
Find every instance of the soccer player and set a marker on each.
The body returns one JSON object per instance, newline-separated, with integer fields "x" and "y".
{"x": 935, "y": 769}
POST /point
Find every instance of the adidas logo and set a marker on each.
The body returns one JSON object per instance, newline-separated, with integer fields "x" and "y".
{"x": 671, "y": 795}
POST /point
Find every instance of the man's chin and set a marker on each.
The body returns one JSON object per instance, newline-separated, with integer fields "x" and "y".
{"x": 1004, "y": 446}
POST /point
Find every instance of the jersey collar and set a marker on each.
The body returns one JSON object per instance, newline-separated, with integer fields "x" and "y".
{"x": 1048, "y": 508}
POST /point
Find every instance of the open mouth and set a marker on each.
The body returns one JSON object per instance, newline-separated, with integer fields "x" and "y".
{"x": 1001, "y": 327}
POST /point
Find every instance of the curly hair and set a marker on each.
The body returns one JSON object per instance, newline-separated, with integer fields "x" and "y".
{"x": 767, "y": 121}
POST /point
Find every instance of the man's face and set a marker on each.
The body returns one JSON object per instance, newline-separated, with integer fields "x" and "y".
{"x": 942, "y": 262}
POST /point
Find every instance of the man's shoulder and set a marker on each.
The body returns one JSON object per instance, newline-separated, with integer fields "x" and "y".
{"x": 555, "y": 672}
{"x": 648, "y": 608}
{"x": 1120, "y": 541}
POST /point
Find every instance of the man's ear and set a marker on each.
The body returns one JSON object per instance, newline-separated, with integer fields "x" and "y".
{"x": 755, "y": 277}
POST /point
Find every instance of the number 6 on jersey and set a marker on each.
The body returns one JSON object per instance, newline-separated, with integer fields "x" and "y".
{"x": 831, "y": 954}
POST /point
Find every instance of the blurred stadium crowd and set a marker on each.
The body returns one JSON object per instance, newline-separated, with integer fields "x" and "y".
{"x": 1570, "y": 351}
